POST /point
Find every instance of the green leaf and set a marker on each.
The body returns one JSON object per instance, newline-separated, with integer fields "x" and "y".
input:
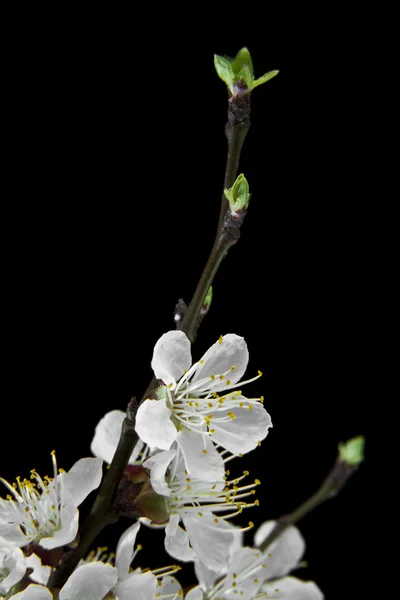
{"x": 242, "y": 67}
{"x": 224, "y": 70}
{"x": 264, "y": 78}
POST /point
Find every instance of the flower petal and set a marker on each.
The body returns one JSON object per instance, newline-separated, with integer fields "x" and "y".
{"x": 34, "y": 592}
{"x": 153, "y": 424}
{"x": 91, "y": 582}
{"x": 221, "y": 357}
{"x": 41, "y": 573}
{"x": 195, "y": 594}
{"x": 291, "y": 588}
{"x": 107, "y": 434}
{"x": 124, "y": 552}
{"x": 241, "y": 434}
{"x": 245, "y": 574}
{"x": 67, "y": 533}
{"x": 285, "y": 553}
{"x": 12, "y": 562}
{"x": 81, "y": 479}
{"x": 202, "y": 459}
{"x": 210, "y": 538}
{"x": 159, "y": 463}
{"x": 177, "y": 541}
{"x": 169, "y": 585}
{"x": 171, "y": 357}
{"x": 138, "y": 586}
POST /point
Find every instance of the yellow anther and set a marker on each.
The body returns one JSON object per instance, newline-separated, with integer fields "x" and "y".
{"x": 220, "y": 340}
{"x": 231, "y": 415}
{"x": 257, "y": 481}
{"x": 200, "y": 514}
{"x": 201, "y": 362}
{"x": 212, "y": 377}
{"x": 233, "y": 368}
{"x": 257, "y": 502}
{"x": 260, "y": 373}
{"x": 222, "y": 376}
{"x": 250, "y": 407}
{"x": 241, "y": 404}
{"x": 210, "y": 404}
{"x": 169, "y": 386}
{"x": 204, "y": 452}
{"x": 245, "y": 472}
{"x": 228, "y": 382}
{"x": 262, "y": 399}
{"x": 258, "y": 443}
{"x": 215, "y": 520}
{"x": 251, "y": 524}
{"x": 234, "y": 575}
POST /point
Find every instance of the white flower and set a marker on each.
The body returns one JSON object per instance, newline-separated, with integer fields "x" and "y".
{"x": 197, "y": 406}
{"x": 251, "y": 574}
{"x": 44, "y": 511}
{"x": 12, "y": 565}
{"x": 200, "y": 506}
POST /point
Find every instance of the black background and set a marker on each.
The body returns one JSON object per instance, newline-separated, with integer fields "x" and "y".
{"x": 114, "y": 157}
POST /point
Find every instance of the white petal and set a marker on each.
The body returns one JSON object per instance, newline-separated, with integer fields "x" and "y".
{"x": 159, "y": 463}
{"x": 195, "y": 594}
{"x": 285, "y": 553}
{"x": 242, "y": 434}
{"x": 154, "y": 426}
{"x": 138, "y": 586}
{"x": 205, "y": 576}
{"x": 34, "y": 592}
{"x": 242, "y": 572}
{"x": 169, "y": 585}
{"x": 12, "y": 533}
{"x": 124, "y": 552}
{"x": 291, "y": 588}
{"x": 207, "y": 466}
{"x": 171, "y": 357}
{"x": 67, "y": 533}
{"x": 221, "y": 357}
{"x": 81, "y": 479}
{"x": 107, "y": 434}
{"x": 90, "y": 582}
{"x": 209, "y": 539}
{"x": 177, "y": 541}
{"x": 41, "y": 573}
{"x": 12, "y": 562}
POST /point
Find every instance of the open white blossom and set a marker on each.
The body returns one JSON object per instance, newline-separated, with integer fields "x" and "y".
{"x": 202, "y": 507}
{"x": 251, "y": 574}
{"x": 44, "y": 511}
{"x": 197, "y": 406}
{"x": 12, "y": 565}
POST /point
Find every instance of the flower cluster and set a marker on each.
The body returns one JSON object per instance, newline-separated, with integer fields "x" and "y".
{"x": 190, "y": 426}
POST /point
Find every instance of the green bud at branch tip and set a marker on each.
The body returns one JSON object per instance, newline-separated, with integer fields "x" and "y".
{"x": 352, "y": 451}
{"x": 238, "y": 73}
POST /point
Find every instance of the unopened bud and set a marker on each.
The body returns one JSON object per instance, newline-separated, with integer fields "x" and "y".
{"x": 238, "y": 195}
{"x": 352, "y": 451}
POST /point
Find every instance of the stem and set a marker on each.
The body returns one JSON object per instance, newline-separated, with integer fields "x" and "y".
{"x": 332, "y": 485}
{"x": 101, "y": 513}
{"x": 227, "y": 235}
{"x": 236, "y": 130}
